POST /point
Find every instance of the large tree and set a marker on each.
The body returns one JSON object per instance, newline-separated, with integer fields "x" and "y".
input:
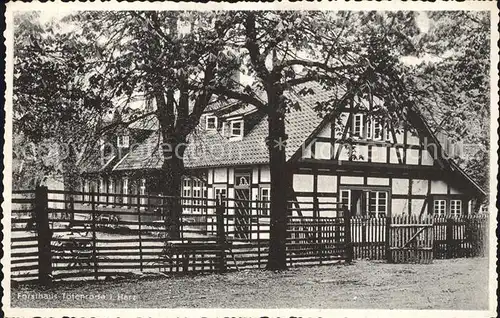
{"x": 452, "y": 84}
{"x": 54, "y": 111}
{"x": 282, "y": 50}
{"x": 174, "y": 60}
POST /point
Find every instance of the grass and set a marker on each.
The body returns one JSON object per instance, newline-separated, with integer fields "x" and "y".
{"x": 444, "y": 284}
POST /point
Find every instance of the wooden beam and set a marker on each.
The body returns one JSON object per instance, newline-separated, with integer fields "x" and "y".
{"x": 410, "y": 185}
{"x": 344, "y": 135}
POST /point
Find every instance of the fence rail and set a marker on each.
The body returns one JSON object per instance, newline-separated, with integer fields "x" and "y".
{"x": 63, "y": 235}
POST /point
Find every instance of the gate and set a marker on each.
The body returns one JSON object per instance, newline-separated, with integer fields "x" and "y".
{"x": 410, "y": 240}
{"x": 242, "y": 211}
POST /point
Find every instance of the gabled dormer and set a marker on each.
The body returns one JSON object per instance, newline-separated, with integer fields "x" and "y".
{"x": 211, "y": 123}
{"x": 232, "y": 122}
{"x": 236, "y": 128}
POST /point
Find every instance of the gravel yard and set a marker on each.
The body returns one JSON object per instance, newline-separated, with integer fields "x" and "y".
{"x": 445, "y": 284}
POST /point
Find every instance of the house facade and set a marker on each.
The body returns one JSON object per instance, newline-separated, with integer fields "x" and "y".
{"x": 357, "y": 156}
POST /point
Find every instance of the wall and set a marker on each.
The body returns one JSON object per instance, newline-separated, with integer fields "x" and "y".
{"x": 397, "y": 146}
{"x": 406, "y": 195}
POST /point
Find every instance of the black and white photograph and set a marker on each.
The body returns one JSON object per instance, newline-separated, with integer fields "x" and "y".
{"x": 245, "y": 159}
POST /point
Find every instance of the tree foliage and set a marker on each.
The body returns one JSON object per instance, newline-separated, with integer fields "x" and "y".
{"x": 52, "y": 104}
{"x": 453, "y": 91}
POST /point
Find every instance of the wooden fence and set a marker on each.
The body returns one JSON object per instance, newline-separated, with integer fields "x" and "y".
{"x": 447, "y": 237}
{"x": 60, "y": 235}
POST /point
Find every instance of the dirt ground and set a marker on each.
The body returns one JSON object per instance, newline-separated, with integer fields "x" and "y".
{"x": 445, "y": 284}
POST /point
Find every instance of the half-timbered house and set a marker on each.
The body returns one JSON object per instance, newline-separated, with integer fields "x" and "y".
{"x": 357, "y": 156}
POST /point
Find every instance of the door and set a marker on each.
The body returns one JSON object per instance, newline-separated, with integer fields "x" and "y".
{"x": 242, "y": 211}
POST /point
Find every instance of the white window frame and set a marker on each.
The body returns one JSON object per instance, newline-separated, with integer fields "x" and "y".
{"x": 233, "y": 122}
{"x": 86, "y": 190}
{"x": 357, "y": 118}
{"x": 111, "y": 191}
{"x": 369, "y": 130}
{"x": 378, "y": 202}
{"x": 208, "y": 118}
{"x": 103, "y": 191}
{"x": 377, "y": 123}
{"x": 387, "y": 132}
{"x": 348, "y": 197}
{"x": 439, "y": 207}
{"x": 456, "y": 207}
{"x": 142, "y": 192}
{"x": 197, "y": 195}
{"x": 265, "y": 205}
{"x": 187, "y": 193}
{"x": 123, "y": 141}
{"x": 125, "y": 190}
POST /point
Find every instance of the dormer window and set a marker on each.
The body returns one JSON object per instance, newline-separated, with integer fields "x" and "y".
{"x": 123, "y": 141}
{"x": 236, "y": 130}
{"x": 211, "y": 123}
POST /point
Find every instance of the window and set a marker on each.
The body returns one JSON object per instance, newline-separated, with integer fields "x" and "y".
{"x": 377, "y": 203}
{"x": 345, "y": 198}
{"x": 123, "y": 141}
{"x": 265, "y": 195}
{"x": 186, "y": 193}
{"x": 111, "y": 190}
{"x": 377, "y": 129}
{"x": 86, "y": 189}
{"x": 387, "y": 132}
{"x": 357, "y": 127}
{"x": 125, "y": 190}
{"x": 220, "y": 193}
{"x": 211, "y": 123}
{"x": 440, "y": 207}
{"x": 142, "y": 192}
{"x": 236, "y": 128}
{"x": 193, "y": 193}
{"x": 369, "y": 128}
{"x": 456, "y": 207}
{"x": 197, "y": 195}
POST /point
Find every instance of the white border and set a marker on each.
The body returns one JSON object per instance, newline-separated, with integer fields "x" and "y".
{"x": 334, "y": 5}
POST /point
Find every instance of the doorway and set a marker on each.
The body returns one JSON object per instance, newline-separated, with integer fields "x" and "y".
{"x": 242, "y": 209}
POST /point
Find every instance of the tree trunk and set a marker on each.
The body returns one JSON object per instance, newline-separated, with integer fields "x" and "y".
{"x": 171, "y": 182}
{"x": 279, "y": 187}
{"x": 173, "y": 159}
{"x": 70, "y": 173}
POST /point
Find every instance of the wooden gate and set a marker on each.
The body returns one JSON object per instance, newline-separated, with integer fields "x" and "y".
{"x": 410, "y": 239}
{"x": 242, "y": 211}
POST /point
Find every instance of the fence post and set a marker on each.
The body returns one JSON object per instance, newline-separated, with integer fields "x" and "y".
{"x": 388, "y": 253}
{"x": 140, "y": 229}
{"x": 221, "y": 235}
{"x": 449, "y": 238}
{"x": 347, "y": 234}
{"x": 94, "y": 236}
{"x": 317, "y": 228}
{"x": 44, "y": 234}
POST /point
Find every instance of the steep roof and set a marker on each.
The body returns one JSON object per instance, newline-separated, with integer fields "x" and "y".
{"x": 210, "y": 149}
